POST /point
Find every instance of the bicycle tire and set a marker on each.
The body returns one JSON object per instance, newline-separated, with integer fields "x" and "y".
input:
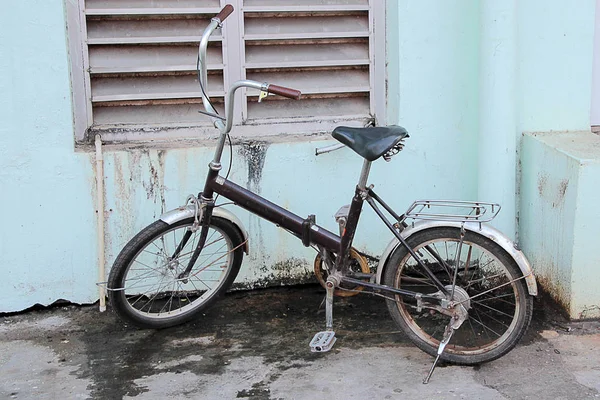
{"x": 172, "y": 301}
{"x": 495, "y": 323}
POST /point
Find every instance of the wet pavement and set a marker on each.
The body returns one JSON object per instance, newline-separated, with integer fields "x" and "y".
{"x": 254, "y": 345}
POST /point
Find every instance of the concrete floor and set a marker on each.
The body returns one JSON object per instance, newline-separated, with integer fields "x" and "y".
{"x": 254, "y": 345}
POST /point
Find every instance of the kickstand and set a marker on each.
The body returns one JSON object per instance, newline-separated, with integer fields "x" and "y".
{"x": 445, "y": 339}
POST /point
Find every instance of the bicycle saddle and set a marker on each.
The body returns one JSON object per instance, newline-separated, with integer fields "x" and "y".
{"x": 370, "y": 143}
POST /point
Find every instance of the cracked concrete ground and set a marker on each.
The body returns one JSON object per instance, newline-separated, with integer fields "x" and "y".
{"x": 254, "y": 345}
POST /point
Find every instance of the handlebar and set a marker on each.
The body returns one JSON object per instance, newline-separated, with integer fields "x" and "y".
{"x": 225, "y": 126}
{"x": 224, "y": 13}
{"x": 285, "y": 92}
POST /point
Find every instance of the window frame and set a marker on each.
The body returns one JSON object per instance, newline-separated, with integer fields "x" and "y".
{"x": 233, "y": 58}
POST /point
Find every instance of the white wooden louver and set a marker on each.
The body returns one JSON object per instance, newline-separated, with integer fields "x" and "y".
{"x": 142, "y": 62}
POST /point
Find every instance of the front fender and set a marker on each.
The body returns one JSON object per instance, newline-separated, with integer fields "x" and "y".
{"x": 170, "y": 217}
{"x": 481, "y": 229}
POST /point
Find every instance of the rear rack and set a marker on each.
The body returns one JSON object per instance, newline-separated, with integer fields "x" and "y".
{"x": 453, "y": 211}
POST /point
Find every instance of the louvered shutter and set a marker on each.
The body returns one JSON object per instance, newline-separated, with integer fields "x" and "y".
{"x": 142, "y": 61}
{"x": 320, "y": 47}
{"x": 141, "y": 64}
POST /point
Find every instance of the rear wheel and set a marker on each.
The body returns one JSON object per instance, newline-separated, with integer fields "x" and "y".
{"x": 144, "y": 287}
{"x": 499, "y": 306}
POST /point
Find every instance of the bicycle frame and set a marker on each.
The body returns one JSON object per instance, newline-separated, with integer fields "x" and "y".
{"x": 306, "y": 229}
{"x": 318, "y": 236}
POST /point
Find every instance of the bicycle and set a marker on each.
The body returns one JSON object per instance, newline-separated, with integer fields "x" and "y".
{"x": 445, "y": 275}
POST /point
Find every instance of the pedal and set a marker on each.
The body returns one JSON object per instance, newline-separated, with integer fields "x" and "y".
{"x": 322, "y": 342}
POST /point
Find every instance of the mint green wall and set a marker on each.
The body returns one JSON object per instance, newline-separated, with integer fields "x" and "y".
{"x": 474, "y": 75}
{"x": 433, "y": 92}
{"x": 497, "y": 134}
{"x": 48, "y": 232}
{"x": 449, "y": 83}
{"x": 585, "y": 302}
{"x": 548, "y": 198}
{"x": 556, "y": 41}
{"x": 559, "y": 190}
{"x": 49, "y": 187}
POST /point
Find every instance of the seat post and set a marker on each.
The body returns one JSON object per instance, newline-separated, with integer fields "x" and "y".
{"x": 364, "y": 175}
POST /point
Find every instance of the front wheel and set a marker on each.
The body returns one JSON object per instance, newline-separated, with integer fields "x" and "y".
{"x": 499, "y": 306}
{"x": 145, "y": 287}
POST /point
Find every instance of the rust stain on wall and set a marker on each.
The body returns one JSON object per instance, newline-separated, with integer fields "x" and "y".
{"x": 549, "y": 280}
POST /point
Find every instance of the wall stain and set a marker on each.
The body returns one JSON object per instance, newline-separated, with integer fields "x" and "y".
{"x": 161, "y": 179}
{"x": 549, "y": 282}
{"x": 292, "y": 271}
{"x": 154, "y": 186}
{"x": 542, "y": 180}
{"x": 562, "y": 190}
{"x": 151, "y": 185}
{"x": 255, "y": 154}
{"x": 288, "y": 272}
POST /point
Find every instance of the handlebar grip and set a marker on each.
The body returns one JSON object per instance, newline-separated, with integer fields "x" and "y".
{"x": 225, "y": 12}
{"x": 285, "y": 92}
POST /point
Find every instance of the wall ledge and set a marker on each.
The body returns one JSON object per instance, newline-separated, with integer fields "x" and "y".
{"x": 559, "y": 221}
{"x": 583, "y": 146}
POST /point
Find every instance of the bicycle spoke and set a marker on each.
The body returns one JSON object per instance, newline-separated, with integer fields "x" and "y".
{"x": 144, "y": 294}
{"x": 470, "y": 283}
{"x": 151, "y": 300}
{"x": 493, "y": 309}
{"x": 439, "y": 259}
{"x": 186, "y": 295}
{"x": 145, "y": 265}
{"x": 133, "y": 285}
{"x": 195, "y": 287}
{"x": 490, "y": 316}
{"x": 500, "y": 299}
{"x": 480, "y": 268}
{"x": 168, "y": 301}
{"x": 201, "y": 281}
{"x": 485, "y": 327}
{"x": 471, "y": 326}
{"x": 161, "y": 249}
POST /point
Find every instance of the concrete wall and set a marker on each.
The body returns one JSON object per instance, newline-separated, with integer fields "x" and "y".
{"x": 48, "y": 186}
{"x": 558, "y": 206}
{"x": 48, "y": 233}
{"x": 464, "y": 77}
{"x": 560, "y": 224}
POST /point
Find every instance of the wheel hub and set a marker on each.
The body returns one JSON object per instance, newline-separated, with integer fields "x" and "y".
{"x": 460, "y": 297}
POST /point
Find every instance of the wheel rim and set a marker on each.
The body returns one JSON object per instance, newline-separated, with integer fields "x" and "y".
{"x": 150, "y": 286}
{"x": 493, "y": 315}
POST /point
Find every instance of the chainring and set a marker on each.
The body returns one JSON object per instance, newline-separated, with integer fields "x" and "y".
{"x": 360, "y": 261}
